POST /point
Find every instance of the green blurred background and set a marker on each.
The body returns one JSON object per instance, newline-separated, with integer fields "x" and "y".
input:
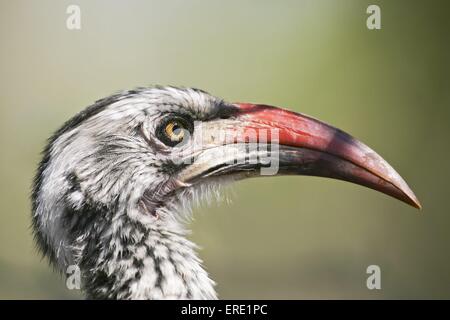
{"x": 286, "y": 237}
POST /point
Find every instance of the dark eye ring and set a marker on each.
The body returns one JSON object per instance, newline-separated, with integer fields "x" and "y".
{"x": 174, "y": 130}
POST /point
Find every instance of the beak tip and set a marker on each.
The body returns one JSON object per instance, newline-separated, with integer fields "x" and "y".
{"x": 405, "y": 192}
{"x": 413, "y": 201}
{"x": 418, "y": 205}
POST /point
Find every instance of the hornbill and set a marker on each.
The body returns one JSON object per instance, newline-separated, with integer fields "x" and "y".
{"x": 112, "y": 192}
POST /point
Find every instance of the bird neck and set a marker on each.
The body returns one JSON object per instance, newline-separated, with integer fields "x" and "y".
{"x": 138, "y": 262}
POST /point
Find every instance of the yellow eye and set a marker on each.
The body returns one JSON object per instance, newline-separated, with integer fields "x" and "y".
{"x": 174, "y": 131}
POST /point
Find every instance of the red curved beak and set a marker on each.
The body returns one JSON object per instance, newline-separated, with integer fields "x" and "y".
{"x": 322, "y": 150}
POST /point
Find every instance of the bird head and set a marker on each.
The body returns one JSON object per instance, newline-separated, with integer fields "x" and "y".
{"x": 135, "y": 160}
